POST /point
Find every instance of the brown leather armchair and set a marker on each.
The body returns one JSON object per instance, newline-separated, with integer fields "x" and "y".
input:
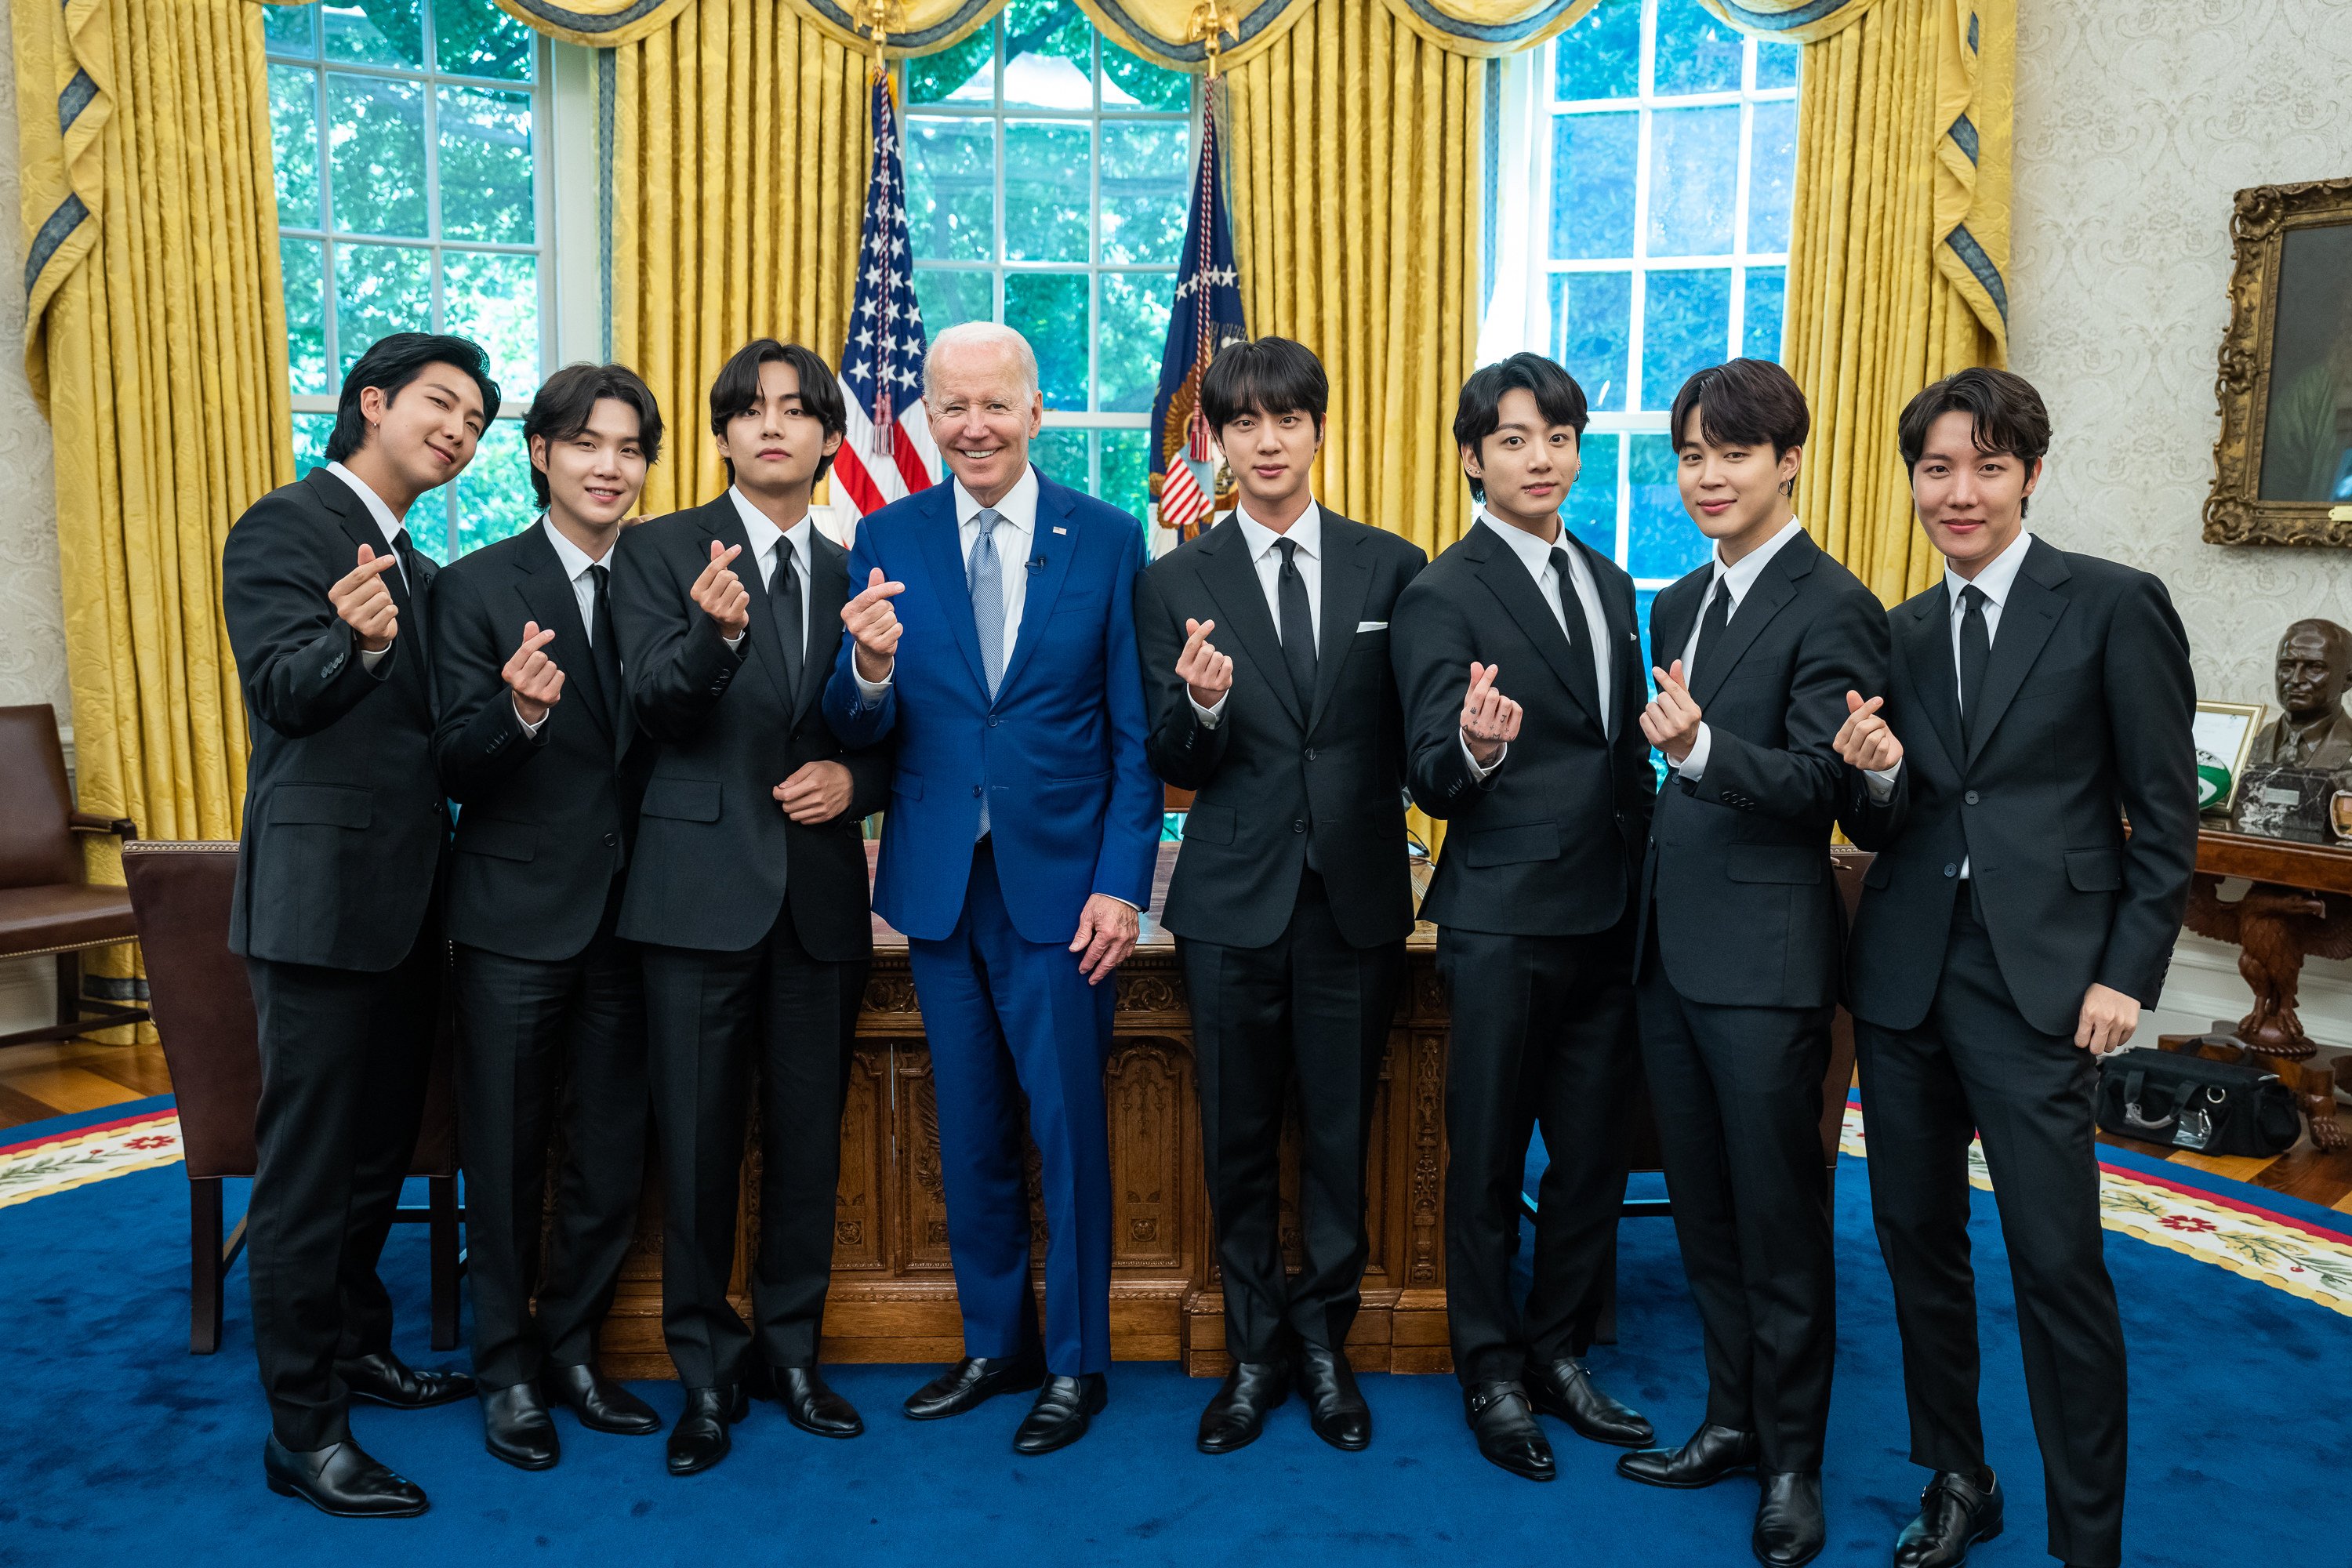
{"x": 204, "y": 1012}
{"x": 45, "y": 906}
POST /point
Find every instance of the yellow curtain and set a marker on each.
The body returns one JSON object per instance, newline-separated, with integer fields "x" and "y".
{"x": 156, "y": 339}
{"x": 739, "y": 180}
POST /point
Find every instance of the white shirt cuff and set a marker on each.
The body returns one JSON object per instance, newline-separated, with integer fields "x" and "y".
{"x": 1482, "y": 774}
{"x": 370, "y": 659}
{"x": 527, "y": 727}
{"x": 1693, "y": 765}
{"x": 1881, "y": 782}
{"x": 735, "y": 643}
{"x": 1207, "y": 716}
{"x": 873, "y": 691}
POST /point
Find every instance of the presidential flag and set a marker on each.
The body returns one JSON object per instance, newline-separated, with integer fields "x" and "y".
{"x": 887, "y": 452}
{"x": 1207, "y": 315}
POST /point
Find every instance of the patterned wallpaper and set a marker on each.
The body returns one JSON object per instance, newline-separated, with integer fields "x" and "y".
{"x": 32, "y": 614}
{"x": 2137, "y": 122}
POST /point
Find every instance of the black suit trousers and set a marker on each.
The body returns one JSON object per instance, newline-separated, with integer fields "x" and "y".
{"x": 344, "y": 1059}
{"x": 1543, "y": 1033}
{"x": 1974, "y": 1065}
{"x": 1308, "y": 1005}
{"x": 716, "y": 1022}
{"x": 1738, "y": 1092}
{"x": 544, "y": 1044}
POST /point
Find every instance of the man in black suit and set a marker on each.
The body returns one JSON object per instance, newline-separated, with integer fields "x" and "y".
{"x": 329, "y": 606}
{"x": 538, "y": 747}
{"x": 747, "y": 890}
{"x": 2011, "y": 931}
{"x": 1737, "y": 955}
{"x": 1292, "y": 896}
{"x": 1548, "y": 796}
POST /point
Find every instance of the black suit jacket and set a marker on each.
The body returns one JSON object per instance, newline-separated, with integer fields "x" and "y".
{"x": 548, "y": 818}
{"x": 344, "y": 821}
{"x": 1738, "y": 868}
{"x": 2088, "y": 704}
{"x": 1271, "y": 778}
{"x": 1547, "y": 844}
{"x": 715, "y": 856}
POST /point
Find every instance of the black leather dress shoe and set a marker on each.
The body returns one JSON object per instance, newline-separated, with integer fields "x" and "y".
{"x": 1237, "y": 1414}
{"x": 972, "y": 1382}
{"x": 601, "y": 1404}
{"x": 1059, "y": 1418}
{"x": 516, "y": 1427}
{"x": 699, "y": 1439}
{"x": 1507, "y": 1433}
{"x": 384, "y": 1379}
{"x": 340, "y": 1479}
{"x": 1789, "y": 1529}
{"x": 1564, "y": 1389}
{"x": 1955, "y": 1513}
{"x": 1334, "y": 1406}
{"x": 1712, "y": 1452}
{"x": 811, "y": 1405}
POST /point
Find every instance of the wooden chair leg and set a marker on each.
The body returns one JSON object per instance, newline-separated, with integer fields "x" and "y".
{"x": 205, "y": 1266}
{"x": 69, "y": 988}
{"x": 442, "y": 1229}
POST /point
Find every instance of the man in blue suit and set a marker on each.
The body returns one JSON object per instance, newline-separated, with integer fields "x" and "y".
{"x": 994, "y": 635}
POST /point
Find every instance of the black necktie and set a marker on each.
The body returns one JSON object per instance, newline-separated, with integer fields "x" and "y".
{"x": 784, "y": 600}
{"x": 1297, "y": 625}
{"x": 1976, "y": 653}
{"x": 1710, "y": 629}
{"x": 1582, "y": 678}
{"x": 602, "y": 647}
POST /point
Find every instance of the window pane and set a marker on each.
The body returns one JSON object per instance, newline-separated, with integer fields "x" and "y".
{"x": 1592, "y": 162}
{"x": 474, "y": 37}
{"x": 1776, "y": 64}
{"x": 379, "y": 289}
{"x": 1135, "y": 307}
{"x": 1061, "y": 455}
{"x": 1129, "y": 82}
{"x": 294, "y": 142}
{"x": 1767, "y": 306}
{"x": 290, "y": 29}
{"x": 948, "y": 298}
{"x": 494, "y": 495}
{"x": 1694, "y": 179}
{"x": 1697, "y": 52}
{"x": 1049, "y": 56}
{"x": 485, "y": 176}
{"x": 376, "y": 132}
{"x": 494, "y": 300}
{"x": 303, "y": 262}
{"x": 375, "y": 32}
{"x": 1047, "y": 207}
{"x": 311, "y": 432}
{"x": 1601, "y": 56}
{"x": 1592, "y": 510}
{"x": 1126, "y": 470}
{"x": 951, "y": 189}
{"x": 1662, "y": 540}
{"x": 1685, "y": 327}
{"x": 1145, "y": 182}
{"x": 1771, "y": 175}
{"x": 964, "y": 74}
{"x": 1592, "y": 326}
{"x": 1050, "y": 308}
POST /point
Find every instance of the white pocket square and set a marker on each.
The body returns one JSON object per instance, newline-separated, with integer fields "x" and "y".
{"x": 1362, "y": 626}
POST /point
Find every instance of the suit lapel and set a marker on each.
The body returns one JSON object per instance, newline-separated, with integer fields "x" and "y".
{"x": 1044, "y": 584}
{"x": 1347, "y": 583}
{"x": 828, "y": 592}
{"x": 410, "y": 586}
{"x": 1674, "y": 613}
{"x": 1766, "y": 597}
{"x": 1925, "y": 629}
{"x": 1624, "y": 639}
{"x": 1511, "y": 583}
{"x": 938, "y": 538}
{"x": 2026, "y": 623}
{"x": 548, "y": 595}
{"x": 1230, "y": 577}
{"x": 726, "y": 527}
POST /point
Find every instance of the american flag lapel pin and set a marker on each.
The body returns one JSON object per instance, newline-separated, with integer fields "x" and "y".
{"x": 1061, "y": 531}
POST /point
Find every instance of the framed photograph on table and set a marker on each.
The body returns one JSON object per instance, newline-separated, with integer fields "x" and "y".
{"x": 2224, "y": 733}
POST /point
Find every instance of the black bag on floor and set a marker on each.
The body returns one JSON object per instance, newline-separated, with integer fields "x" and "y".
{"x": 2188, "y": 1102}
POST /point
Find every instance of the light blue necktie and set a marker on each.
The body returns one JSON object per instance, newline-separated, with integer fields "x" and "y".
{"x": 986, "y": 576}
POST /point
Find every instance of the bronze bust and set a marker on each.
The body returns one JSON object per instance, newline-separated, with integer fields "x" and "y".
{"x": 2314, "y": 665}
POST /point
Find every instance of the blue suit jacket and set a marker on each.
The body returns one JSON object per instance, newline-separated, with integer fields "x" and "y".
{"x": 1073, "y": 809}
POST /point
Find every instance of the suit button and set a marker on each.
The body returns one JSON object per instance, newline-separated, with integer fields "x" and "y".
{"x": 1299, "y": 826}
{"x": 611, "y": 839}
{"x": 1310, "y": 753}
{"x": 992, "y": 720}
{"x": 1952, "y": 870}
{"x": 1970, "y": 797}
{"x": 975, "y": 792}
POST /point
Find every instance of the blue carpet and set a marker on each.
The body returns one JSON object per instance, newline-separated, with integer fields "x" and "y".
{"x": 121, "y": 1447}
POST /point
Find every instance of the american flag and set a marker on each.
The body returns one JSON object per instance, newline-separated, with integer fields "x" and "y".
{"x": 1206, "y": 316}
{"x": 888, "y": 452}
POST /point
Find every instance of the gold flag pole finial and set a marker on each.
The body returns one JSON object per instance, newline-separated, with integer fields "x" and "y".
{"x": 875, "y": 15}
{"x": 1211, "y": 21}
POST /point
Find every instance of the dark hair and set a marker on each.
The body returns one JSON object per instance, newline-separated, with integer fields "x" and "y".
{"x": 1479, "y": 413}
{"x": 1268, "y": 375}
{"x": 2007, "y": 412}
{"x": 567, "y": 398}
{"x": 1743, "y": 403}
{"x": 737, "y": 387}
{"x": 392, "y": 362}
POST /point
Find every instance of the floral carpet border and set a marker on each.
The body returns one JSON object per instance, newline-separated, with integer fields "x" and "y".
{"x": 64, "y": 1161}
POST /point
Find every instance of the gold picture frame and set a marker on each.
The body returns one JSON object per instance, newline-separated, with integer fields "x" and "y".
{"x": 2223, "y": 734}
{"x": 2294, "y": 257}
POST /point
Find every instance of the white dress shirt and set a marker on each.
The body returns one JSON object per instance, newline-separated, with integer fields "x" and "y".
{"x": 766, "y": 540}
{"x": 391, "y": 526}
{"x": 1306, "y": 533}
{"x": 1535, "y": 554}
{"x": 1016, "y": 527}
{"x": 1735, "y": 580}
{"x": 579, "y": 568}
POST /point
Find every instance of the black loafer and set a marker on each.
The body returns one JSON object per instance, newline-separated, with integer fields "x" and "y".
{"x": 1335, "y": 1407}
{"x": 972, "y": 1382}
{"x": 384, "y": 1379}
{"x": 1507, "y": 1433}
{"x": 1712, "y": 1452}
{"x": 1566, "y": 1390}
{"x": 811, "y": 1405}
{"x": 700, "y": 1440}
{"x": 340, "y": 1479}
{"x": 1955, "y": 1513}
{"x": 517, "y": 1428}
{"x": 1059, "y": 1417}
{"x": 1237, "y": 1415}
{"x": 1789, "y": 1529}
{"x": 601, "y": 1404}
